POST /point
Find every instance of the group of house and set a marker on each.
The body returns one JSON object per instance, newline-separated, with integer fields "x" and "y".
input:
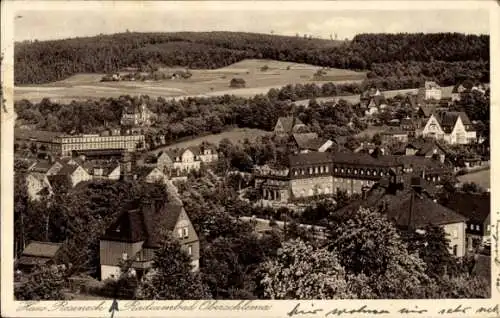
{"x": 433, "y": 117}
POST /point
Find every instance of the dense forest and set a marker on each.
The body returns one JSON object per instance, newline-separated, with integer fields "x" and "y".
{"x": 440, "y": 55}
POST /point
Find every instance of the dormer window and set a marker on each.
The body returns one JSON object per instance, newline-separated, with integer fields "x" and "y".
{"x": 348, "y": 170}
{"x": 342, "y": 170}
{"x": 355, "y": 171}
{"x": 361, "y": 172}
{"x": 185, "y": 232}
{"x": 316, "y": 170}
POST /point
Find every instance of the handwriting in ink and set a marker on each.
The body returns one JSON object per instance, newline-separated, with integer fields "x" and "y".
{"x": 361, "y": 310}
{"x": 296, "y": 311}
{"x": 114, "y": 306}
{"x": 412, "y": 311}
{"x": 458, "y": 309}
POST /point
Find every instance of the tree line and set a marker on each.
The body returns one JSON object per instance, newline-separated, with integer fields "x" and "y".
{"x": 47, "y": 61}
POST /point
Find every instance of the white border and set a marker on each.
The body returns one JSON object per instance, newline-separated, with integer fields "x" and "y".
{"x": 279, "y": 308}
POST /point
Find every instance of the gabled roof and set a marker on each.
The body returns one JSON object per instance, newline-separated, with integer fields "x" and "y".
{"x": 406, "y": 208}
{"x": 428, "y": 147}
{"x": 41, "y": 249}
{"x": 107, "y": 167}
{"x": 309, "y": 141}
{"x": 428, "y": 109}
{"x": 288, "y": 123}
{"x": 476, "y": 207}
{"x": 143, "y": 171}
{"x": 41, "y": 166}
{"x": 147, "y": 224}
{"x": 448, "y": 119}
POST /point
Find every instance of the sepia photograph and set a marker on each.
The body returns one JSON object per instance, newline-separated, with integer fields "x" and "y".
{"x": 208, "y": 154}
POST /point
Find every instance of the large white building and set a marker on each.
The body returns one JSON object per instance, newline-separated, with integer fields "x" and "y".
{"x": 452, "y": 127}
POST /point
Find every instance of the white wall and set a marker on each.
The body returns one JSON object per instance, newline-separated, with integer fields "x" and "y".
{"x": 108, "y": 270}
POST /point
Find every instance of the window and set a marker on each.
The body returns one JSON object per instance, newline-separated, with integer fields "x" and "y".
{"x": 310, "y": 170}
{"x": 326, "y": 168}
{"x": 342, "y": 170}
{"x": 362, "y": 172}
{"x": 455, "y": 250}
{"x": 488, "y": 228}
{"x": 477, "y": 228}
{"x": 454, "y": 234}
{"x": 185, "y": 232}
{"x": 190, "y": 250}
{"x": 321, "y": 169}
{"x": 355, "y": 171}
{"x": 295, "y": 172}
{"x": 348, "y": 170}
{"x": 336, "y": 170}
{"x": 316, "y": 170}
{"x": 179, "y": 232}
{"x": 472, "y": 226}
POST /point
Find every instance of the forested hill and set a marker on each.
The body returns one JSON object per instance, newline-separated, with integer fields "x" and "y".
{"x": 46, "y": 61}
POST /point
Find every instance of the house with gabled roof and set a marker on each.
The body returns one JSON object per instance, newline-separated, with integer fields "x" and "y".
{"x": 476, "y": 207}
{"x": 288, "y": 125}
{"x": 452, "y": 127}
{"x": 110, "y": 170}
{"x": 306, "y": 142}
{"x": 181, "y": 160}
{"x": 411, "y": 208}
{"x": 67, "y": 172}
{"x": 138, "y": 232}
{"x": 148, "y": 174}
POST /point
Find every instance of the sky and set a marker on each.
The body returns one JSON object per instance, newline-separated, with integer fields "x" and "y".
{"x": 44, "y": 25}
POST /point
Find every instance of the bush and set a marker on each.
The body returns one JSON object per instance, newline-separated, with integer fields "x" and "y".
{"x": 264, "y": 68}
{"x": 237, "y": 83}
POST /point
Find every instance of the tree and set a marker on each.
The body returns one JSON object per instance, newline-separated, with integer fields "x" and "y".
{"x": 44, "y": 283}
{"x": 367, "y": 243}
{"x": 171, "y": 276}
{"x": 301, "y": 271}
{"x": 237, "y": 83}
{"x": 432, "y": 246}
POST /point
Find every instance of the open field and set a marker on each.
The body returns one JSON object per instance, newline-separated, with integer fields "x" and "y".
{"x": 354, "y": 99}
{"x": 202, "y": 82}
{"x": 235, "y": 135}
{"x": 481, "y": 178}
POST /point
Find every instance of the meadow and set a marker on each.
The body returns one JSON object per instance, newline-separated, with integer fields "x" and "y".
{"x": 201, "y": 83}
{"x": 481, "y": 178}
{"x": 237, "y": 135}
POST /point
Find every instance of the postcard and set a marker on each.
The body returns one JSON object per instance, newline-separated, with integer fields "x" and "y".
{"x": 249, "y": 158}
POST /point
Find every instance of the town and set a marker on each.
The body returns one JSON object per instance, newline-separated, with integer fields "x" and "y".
{"x": 379, "y": 186}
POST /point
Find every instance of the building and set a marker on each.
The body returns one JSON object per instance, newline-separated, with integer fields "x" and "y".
{"x": 138, "y": 232}
{"x": 181, "y": 160}
{"x": 288, "y": 125}
{"x": 477, "y": 209}
{"x": 67, "y": 172}
{"x": 38, "y": 185}
{"x": 65, "y": 145}
{"x": 137, "y": 115}
{"x": 323, "y": 173}
{"x": 431, "y": 90}
{"x": 39, "y": 253}
{"x": 29, "y": 139}
{"x": 206, "y": 152}
{"x": 307, "y": 142}
{"x": 148, "y": 174}
{"x": 99, "y": 170}
{"x": 452, "y": 127}
{"x": 411, "y": 208}
{"x": 427, "y": 149}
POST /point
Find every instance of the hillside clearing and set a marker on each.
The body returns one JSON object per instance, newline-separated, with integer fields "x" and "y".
{"x": 201, "y": 83}
{"x": 236, "y": 135}
{"x": 481, "y": 178}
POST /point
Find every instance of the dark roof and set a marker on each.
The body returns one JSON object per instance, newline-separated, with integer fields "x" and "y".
{"x": 310, "y": 158}
{"x": 419, "y": 163}
{"x": 309, "y": 141}
{"x": 428, "y": 110}
{"x": 147, "y": 224}
{"x": 100, "y": 152}
{"x": 41, "y": 166}
{"x": 448, "y": 119}
{"x": 288, "y": 123}
{"x": 363, "y": 159}
{"x": 142, "y": 171}
{"x": 428, "y": 147}
{"x": 406, "y": 207}
{"x": 476, "y": 207}
{"x": 41, "y": 249}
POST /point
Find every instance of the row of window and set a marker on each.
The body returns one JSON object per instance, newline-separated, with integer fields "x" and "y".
{"x": 311, "y": 170}
{"x": 360, "y": 171}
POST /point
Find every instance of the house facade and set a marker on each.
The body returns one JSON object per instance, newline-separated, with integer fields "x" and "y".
{"x": 38, "y": 185}
{"x": 452, "y": 127}
{"x": 182, "y": 160}
{"x": 431, "y": 90}
{"x": 476, "y": 207}
{"x": 138, "y": 233}
{"x": 137, "y": 116}
{"x": 68, "y": 170}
